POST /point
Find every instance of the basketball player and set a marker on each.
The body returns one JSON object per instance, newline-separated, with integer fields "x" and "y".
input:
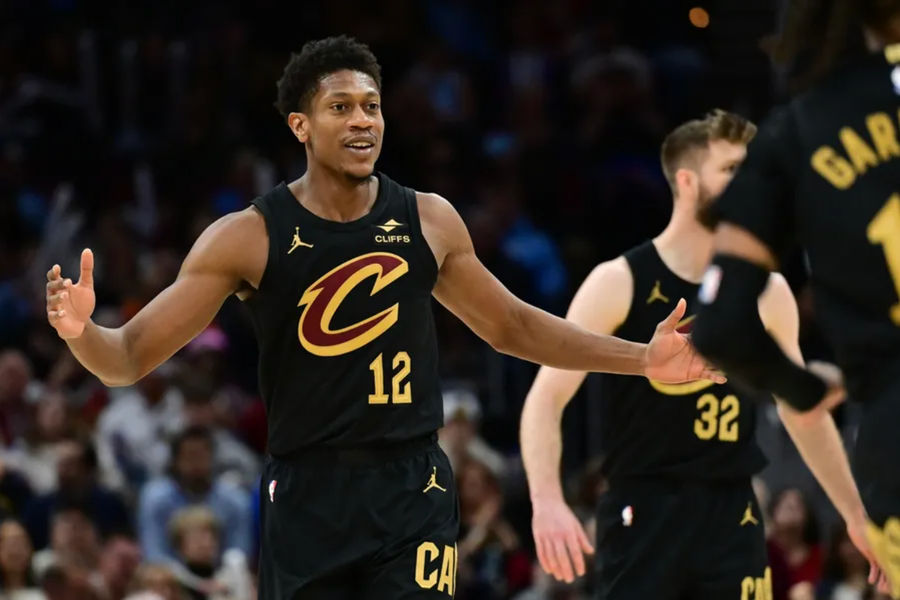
{"x": 824, "y": 172}
{"x": 338, "y": 269}
{"x": 679, "y": 519}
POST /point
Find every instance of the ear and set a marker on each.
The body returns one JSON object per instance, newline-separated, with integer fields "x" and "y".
{"x": 687, "y": 181}
{"x": 299, "y": 124}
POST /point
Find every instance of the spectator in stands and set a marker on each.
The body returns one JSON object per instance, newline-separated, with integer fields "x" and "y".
{"x": 232, "y": 458}
{"x": 15, "y": 493}
{"x": 17, "y": 580}
{"x": 74, "y": 545}
{"x": 15, "y": 380}
{"x": 35, "y": 453}
{"x": 492, "y": 563}
{"x": 459, "y": 437}
{"x": 133, "y": 431}
{"x": 77, "y": 486}
{"x": 794, "y": 543}
{"x": 845, "y": 571}
{"x": 155, "y": 582}
{"x": 192, "y": 482}
{"x": 204, "y": 570}
{"x": 119, "y": 561}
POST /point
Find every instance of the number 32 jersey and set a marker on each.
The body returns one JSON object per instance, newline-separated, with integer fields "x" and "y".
{"x": 697, "y": 431}
{"x": 348, "y": 352}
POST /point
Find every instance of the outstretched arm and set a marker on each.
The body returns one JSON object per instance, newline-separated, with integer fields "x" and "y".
{"x": 229, "y": 254}
{"x": 472, "y": 293}
{"x": 815, "y": 433}
{"x": 600, "y": 306}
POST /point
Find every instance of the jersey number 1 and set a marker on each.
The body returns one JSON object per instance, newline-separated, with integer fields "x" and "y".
{"x": 401, "y": 392}
{"x": 884, "y": 229}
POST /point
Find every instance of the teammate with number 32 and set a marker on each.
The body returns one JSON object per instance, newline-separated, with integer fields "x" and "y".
{"x": 679, "y": 518}
{"x": 824, "y": 171}
{"x": 338, "y": 269}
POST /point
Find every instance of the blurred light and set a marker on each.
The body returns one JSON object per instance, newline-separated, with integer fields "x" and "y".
{"x": 699, "y": 17}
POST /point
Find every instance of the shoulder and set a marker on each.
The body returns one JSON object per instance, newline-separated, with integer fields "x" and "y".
{"x": 234, "y": 229}
{"x": 612, "y": 272}
{"x": 603, "y": 301}
{"x": 443, "y": 227}
{"x": 436, "y": 209}
{"x": 236, "y": 246}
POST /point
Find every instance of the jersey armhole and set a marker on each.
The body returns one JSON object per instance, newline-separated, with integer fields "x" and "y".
{"x": 264, "y": 209}
{"x": 424, "y": 249}
{"x": 628, "y": 312}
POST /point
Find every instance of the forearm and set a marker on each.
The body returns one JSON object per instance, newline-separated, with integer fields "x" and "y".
{"x": 819, "y": 443}
{"x": 541, "y": 440}
{"x": 104, "y": 352}
{"x": 538, "y": 336}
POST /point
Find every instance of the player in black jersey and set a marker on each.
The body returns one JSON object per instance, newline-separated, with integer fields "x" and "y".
{"x": 338, "y": 269}
{"x": 679, "y": 519}
{"x": 824, "y": 172}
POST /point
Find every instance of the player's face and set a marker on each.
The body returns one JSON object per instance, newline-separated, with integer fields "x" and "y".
{"x": 721, "y": 163}
{"x": 344, "y": 125}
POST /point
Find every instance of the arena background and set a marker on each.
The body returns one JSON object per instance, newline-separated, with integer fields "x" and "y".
{"x": 128, "y": 127}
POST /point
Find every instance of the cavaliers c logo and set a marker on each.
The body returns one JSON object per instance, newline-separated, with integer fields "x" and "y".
{"x": 682, "y": 389}
{"x": 323, "y": 298}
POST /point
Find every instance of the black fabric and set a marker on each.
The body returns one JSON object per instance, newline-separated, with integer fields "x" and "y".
{"x": 824, "y": 172}
{"x": 332, "y": 531}
{"x": 675, "y": 540}
{"x": 362, "y": 369}
{"x": 693, "y": 431}
{"x": 728, "y": 312}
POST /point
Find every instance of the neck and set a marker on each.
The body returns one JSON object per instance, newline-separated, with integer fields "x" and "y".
{"x": 685, "y": 246}
{"x": 333, "y": 196}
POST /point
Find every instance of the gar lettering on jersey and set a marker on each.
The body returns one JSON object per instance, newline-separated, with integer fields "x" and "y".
{"x": 697, "y": 430}
{"x": 348, "y": 353}
{"x": 824, "y": 171}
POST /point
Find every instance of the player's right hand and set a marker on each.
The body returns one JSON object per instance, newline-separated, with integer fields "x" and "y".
{"x": 560, "y": 540}
{"x": 69, "y": 306}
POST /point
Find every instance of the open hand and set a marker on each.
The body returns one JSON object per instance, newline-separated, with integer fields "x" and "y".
{"x": 560, "y": 540}
{"x": 670, "y": 357}
{"x": 69, "y": 306}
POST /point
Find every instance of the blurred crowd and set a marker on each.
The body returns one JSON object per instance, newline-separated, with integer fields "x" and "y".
{"x": 130, "y": 126}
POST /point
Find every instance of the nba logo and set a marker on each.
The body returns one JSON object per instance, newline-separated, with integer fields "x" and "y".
{"x": 272, "y": 485}
{"x": 627, "y": 516}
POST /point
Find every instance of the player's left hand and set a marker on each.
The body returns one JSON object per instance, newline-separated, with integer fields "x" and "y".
{"x": 670, "y": 358}
{"x": 857, "y": 533}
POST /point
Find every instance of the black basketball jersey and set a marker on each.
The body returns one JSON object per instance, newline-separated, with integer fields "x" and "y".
{"x": 348, "y": 353}
{"x": 824, "y": 171}
{"x": 698, "y": 430}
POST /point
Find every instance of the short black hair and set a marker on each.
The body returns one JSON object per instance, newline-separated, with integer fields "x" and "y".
{"x": 318, "y": 59}
{"x": 194, "y": 432}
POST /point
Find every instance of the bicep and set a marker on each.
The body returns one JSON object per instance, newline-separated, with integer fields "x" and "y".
{"x": 780, "y": 316}
{"x": 211, "y": 272}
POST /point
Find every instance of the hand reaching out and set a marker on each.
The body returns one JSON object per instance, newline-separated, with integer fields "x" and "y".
{"x": 69, "y": 306}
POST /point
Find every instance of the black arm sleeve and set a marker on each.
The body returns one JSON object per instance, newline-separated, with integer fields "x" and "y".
{"x": 729, "y": 332}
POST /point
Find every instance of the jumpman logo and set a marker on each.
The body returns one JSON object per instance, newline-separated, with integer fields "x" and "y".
{"x": 748, "y": 516}
{"x": 432, "y": 482}
{"x": 297, "y": 242}
{"x": 655, "y": 294}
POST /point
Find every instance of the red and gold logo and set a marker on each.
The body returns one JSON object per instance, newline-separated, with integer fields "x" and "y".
{"x": 322, "y": 299}
{"x": 682, "y": 389}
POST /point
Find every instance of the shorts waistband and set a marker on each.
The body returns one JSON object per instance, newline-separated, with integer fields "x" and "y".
{"x": 370, "y": 454}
